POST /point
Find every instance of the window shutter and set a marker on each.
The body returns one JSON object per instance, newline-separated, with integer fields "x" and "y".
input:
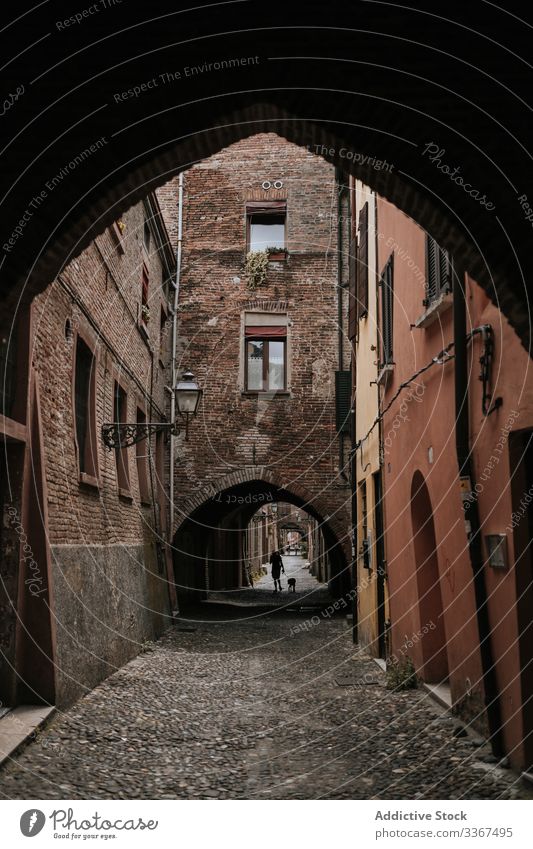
{"x": 438, "y": 271}
{"x": 262, "y": 331}
{"x": 145, "y": 279}
{"x": 266, "y": 207}
{"x": 386, "y": 312}
{"x": 362, "y": 264}
{"x": 432, "y": 271}
{"x": 352, "y": 290}
{"x": 343, "y": 398}
{"x": 444, "y": 272}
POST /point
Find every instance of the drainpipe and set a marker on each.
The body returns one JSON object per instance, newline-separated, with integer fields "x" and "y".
{"x": 339, "y": 178}
{"x": 174, "y": 344}
{"x": 353, "y": 453}
{"x": 472, "y": 520}
{"x": 173, "y": 353}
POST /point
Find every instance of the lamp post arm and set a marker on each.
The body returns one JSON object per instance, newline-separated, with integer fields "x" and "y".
{"x": 125, "y": 434}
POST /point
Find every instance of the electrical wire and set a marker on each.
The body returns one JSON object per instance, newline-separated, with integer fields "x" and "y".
{"x": 440, "y": 359}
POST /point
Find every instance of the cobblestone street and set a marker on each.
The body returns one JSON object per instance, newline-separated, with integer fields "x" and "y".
{"x": 308, "y": 592}
{"x": 254, "y": 708}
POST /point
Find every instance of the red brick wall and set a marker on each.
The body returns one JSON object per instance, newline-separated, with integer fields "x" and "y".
{"x": 109, "y": 586}
{"x": 294, "y": 435}
{"x": 104, "y": 306}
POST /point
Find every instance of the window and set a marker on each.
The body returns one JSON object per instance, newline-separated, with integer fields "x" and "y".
{"x": 343, "y": 401}
{"x": 265, "y": 221}
{"x": 85, "y": 411}
{"x": 146, "y": 236}
{"x": 362, "y": 263}
{"x": 120, "y": 414}
{"x": 142, "y": 458}
{"x": 265, "y": 364}
{"x": 265, "y": 352}
{"x": 163, "y": 330}
{"x": 438, "y": 272}
{"x": 364, "y": 509}
{"x": 386, "y": 283}
{"x": 365, "y": 540}
{"x": 145, "y": 309}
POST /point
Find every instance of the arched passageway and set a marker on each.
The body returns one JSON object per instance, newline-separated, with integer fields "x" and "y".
{"x": 211, "y": 547}
{"x": 434, "y": 654}
{"x": 92, "y": 134}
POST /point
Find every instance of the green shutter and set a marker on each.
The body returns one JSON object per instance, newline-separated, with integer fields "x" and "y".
{"x": 343, "y": 397}
{"x": 386, "y": 284}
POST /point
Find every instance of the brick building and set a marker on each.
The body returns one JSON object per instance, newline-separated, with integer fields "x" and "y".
{"x": 266, "y": 350}
{"x": 90, "y": 523}
{"x": 451, "y": 530}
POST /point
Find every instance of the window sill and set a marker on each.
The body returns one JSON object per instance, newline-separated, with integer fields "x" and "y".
{"x": 89, "y": 480}
{"x": 436, "y": 308}
{"x": 384, "y": 374}
{"x": 125, "y": 494}
{"x": 267, "y": 395}
{"x": 146, "y": 501}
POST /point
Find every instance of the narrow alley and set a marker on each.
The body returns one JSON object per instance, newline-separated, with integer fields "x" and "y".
{"x": 263, "y": 361}
{"x": 255, "y": 706}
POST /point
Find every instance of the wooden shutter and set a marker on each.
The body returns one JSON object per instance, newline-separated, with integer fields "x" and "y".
{"x": 84, "y": 362}
{"x": 387, "y": 312}
{"x": 266, "y": 207}
{"x": 352, "y": 290}
{"x": 343, "y": 398}
{"x": 445, "y": 281}
{"x": 362, "y": 263}
{"x": 438, "y": 271}
{"x": 145, "y": 280}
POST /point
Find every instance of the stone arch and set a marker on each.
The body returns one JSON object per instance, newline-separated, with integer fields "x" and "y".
{"x": 211, "y": 522}
{"x": 249, "y": 474}
{"x": 361, "y": 115}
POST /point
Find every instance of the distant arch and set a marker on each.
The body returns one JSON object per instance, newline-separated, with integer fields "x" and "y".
{"x": 208, "y": 531}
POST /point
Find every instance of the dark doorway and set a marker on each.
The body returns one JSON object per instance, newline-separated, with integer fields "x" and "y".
{"x": 11, "y": 473}
{"x": 380, "y": 563}
{"x": 521, "y": 464}
{"x": 35, "y": 644}
{"x": 434, "y": 654}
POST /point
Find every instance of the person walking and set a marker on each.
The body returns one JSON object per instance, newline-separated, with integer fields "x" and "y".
{"x": 276, "y": 561}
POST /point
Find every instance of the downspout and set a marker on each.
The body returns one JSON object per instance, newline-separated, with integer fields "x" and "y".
{"x": 353, "y": 541}
{"x": 340, "y": 193}
{"x": 173, "y": 369}
{"x": 339, "y": 181}
{"x": 472, "y": 520}
{"x": 353, "y": 453}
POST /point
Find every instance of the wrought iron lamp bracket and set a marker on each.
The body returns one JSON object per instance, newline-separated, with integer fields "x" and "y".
{"x": 125, "y": 434}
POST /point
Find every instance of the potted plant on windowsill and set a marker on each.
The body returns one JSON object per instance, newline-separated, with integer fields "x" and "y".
{"x": 255, "y": 268}
{"x": 277, "y": 254}
{"x": 145, "y": 313}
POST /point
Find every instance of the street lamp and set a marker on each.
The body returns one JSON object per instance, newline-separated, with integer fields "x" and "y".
{"x": 188, "y": 395}
{"x": 124, "y": 434}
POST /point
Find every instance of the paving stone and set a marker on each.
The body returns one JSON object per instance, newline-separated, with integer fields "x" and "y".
{"x": 244, "y": 709}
